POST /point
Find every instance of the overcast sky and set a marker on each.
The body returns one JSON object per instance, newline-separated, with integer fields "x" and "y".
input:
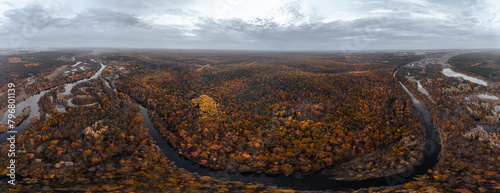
{"x": 251, "y": 24}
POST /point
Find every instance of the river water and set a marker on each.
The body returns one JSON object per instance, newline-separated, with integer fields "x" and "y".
{"x": 488, "y": 128}
{"x": 422, "y": 89}
{"x": 316, "y": 181}
{"x": 32, "y": 101}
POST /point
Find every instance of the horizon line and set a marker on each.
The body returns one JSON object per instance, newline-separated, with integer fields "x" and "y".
{"x": 249, "y": 50}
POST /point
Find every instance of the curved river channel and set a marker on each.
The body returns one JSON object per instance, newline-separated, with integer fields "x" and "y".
{"x": 316, "y": 181}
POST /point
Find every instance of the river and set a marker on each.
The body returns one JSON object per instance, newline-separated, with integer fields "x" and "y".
{"x": 32, "y": 101}
{"x": 316, "y": 181}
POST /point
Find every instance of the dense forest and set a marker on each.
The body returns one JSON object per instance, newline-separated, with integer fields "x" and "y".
{"x": 281, "y": 114}
{"x": 55, "y": 154}
{"x": 485, "y": 64}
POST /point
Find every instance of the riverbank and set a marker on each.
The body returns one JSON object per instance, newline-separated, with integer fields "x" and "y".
{"x": 398, "y": 158}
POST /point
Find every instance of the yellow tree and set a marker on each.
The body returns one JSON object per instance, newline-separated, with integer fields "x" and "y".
{"x": 208, "y": 106}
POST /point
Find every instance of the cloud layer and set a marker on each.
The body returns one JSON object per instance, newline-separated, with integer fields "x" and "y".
{"x": 237, "y": 24}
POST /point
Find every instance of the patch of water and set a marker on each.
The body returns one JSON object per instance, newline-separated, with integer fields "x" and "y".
{"x": 487, "y": 127}
{"x": 76, "y": 64}
{"x": 70, "y": 86}
{"x": 422, "y": 89}
{"x": 487, "y": 96}
{"x": 450, "y": 73}
{"x": 33, "y": 100}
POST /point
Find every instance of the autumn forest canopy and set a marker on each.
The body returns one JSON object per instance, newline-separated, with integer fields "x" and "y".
{"x": 277, "y": 113}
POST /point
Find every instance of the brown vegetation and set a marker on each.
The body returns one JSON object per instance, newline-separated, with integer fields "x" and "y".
{"x": 470, "y": 158}
{"x": 54, "y": 155}
{"x": 285, "y": 115}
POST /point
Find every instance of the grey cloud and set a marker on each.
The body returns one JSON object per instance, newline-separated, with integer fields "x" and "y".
{"x": 120, "y": 24}
{"x": 107, "y": 18}
{"x": 142, "y": 7}
{"x": 33, "y": 15}
{"x": 358, "y": 34}
{"x": 36, "y": 16}
{"x": 34, "y": 25}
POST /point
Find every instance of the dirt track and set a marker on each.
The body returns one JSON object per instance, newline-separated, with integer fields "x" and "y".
{"x": 58, "y": 72}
